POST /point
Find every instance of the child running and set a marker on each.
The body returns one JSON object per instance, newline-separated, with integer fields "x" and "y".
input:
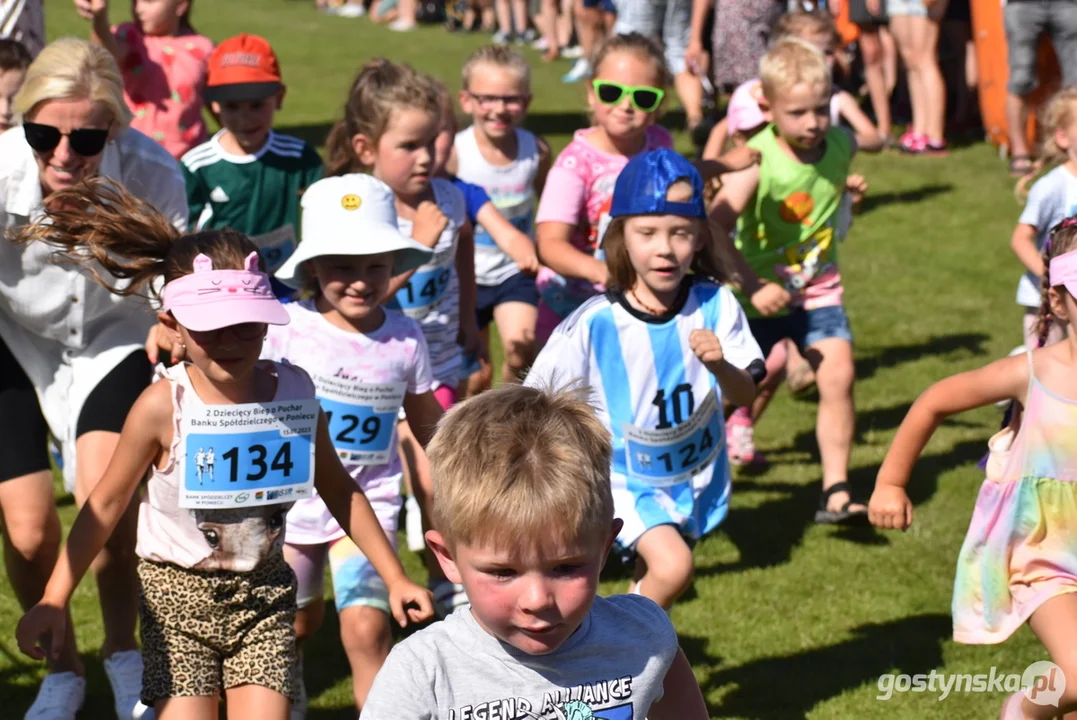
{"x": 624, "y": 96}
{"x": 248, "y": 177}
{"x": 525, "y": 521}
{"x": 786, "y": 248}
{"x": 663, "y": 349}
{"x": 1052, "y": 199}
{"x": 1019, "y": 560}
{"x": 217, "y": 598}
{"x": 164, "y": 64}
{"x": 367, "y": 363}
{"x": 510, "y": 164}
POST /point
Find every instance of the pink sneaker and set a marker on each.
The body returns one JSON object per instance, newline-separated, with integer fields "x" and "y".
{"x": 740, "y": 440}
{"x": 913, "y": 142}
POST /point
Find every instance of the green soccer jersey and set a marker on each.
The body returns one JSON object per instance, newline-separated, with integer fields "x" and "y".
{"x": 255, "y": 194}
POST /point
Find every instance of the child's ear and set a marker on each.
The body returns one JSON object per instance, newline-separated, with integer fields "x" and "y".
{"x": 1058, "y": 305}
{"x": 182, "y": 7}
{"x": 615, "y": 530}
{"x": 1061, "y": 140}
{"x": 436, "y": 543}
{"x": 464, "y": 98}
{"x": 364, "y": 149}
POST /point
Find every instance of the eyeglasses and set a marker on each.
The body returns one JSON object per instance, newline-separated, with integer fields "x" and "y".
{"x": 87, "y": 142}
{"x": 644, "y": 98}
{"x": 244, "y": 332}
{"x": 512, "y": 102}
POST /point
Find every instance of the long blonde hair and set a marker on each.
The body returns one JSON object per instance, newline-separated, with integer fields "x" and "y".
{"x": 70, "y": 68}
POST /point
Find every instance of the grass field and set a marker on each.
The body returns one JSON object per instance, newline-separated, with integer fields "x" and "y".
{"x": 786, "y": 619}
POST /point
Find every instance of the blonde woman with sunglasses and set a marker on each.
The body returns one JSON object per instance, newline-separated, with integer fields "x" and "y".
{"x": 71, "y": 354}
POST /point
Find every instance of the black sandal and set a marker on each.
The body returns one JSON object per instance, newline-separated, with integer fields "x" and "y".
{"x": 838, "y": 517}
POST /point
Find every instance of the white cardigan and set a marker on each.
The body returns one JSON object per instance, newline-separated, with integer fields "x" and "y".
{"x": 66, "y": 331}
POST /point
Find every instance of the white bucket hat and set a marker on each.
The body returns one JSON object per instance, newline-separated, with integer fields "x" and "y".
{"x": 350, "y": 215}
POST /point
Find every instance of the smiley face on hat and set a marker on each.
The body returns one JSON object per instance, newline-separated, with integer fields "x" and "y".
{"x": 351, "y": 201}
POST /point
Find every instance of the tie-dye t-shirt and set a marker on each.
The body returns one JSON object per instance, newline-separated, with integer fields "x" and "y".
{"x": 163, "y": 81}
{"x": 578, "y": 192}
{"x": 386, "y": 363}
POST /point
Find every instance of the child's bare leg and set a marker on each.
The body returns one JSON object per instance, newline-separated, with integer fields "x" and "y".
{"x": 775, "y": 364}
{"x": 1055, "y": 624}
{"x": 482, "y": 379}
{"x": 254, "y": 702}
{"x": 832, "y": 360}
{"x": 365, "y": 634}
{"x": 187, "y": 708}
{"x": 516, "y": 325}
{"x": 665, "y": 565}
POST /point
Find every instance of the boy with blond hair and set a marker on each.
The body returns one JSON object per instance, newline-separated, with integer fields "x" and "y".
{"x": 524, "y": 518}
{"x": 510, "y": 164}
{"x": 786, "y": 249}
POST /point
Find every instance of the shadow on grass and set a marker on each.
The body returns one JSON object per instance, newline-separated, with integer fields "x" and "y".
{"x": 765, "y": 535}
{"x": 790, "y": 686}
{"x": 902, "y": 197}
{"x": 895, "y": 355}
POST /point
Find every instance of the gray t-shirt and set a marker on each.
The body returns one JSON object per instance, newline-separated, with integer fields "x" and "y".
{"x": 612, "y": 667}
{"x": 1052, "y": 199}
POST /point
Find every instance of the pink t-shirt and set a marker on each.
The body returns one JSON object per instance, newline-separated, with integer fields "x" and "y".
{"x": 163, "y": 80}
{"x": 359, "y": 376}
{"x": 578, "y": 191}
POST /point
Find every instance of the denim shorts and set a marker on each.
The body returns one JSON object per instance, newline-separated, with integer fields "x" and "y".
{"x": 1026, "y": 21}
{"x": 667, "y": 21}
{"x": 603, "y": 5}
{"x": 804, "y": 327}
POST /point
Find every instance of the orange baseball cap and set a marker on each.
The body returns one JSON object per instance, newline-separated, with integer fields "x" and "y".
{"x": 243, "y": 68}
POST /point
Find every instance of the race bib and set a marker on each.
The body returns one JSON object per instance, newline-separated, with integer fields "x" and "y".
{"x": 425, "y": 287}
{"x": 362, "y": 418}
{"x": 276, "y": 246}
{"x": 245, "y": 455}
{"x": 667, "y": 457}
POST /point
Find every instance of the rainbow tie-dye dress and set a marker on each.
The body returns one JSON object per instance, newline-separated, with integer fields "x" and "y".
{"x": 1021, "y": 546}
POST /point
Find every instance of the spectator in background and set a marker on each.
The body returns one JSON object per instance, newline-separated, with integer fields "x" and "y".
{"x": 1025, "y": 23}
{"x": 879, "y": 55}
{"x": 594, "y": 18}
{"x": 915, "y": 26}
{"x": 14, "y": 59}
{"x": 741, "y": 32}
{"x": 24, "y": 20}
{"x": 669, "y": 23}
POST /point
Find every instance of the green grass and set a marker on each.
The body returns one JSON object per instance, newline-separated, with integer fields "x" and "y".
{"x": 786, "y": 619}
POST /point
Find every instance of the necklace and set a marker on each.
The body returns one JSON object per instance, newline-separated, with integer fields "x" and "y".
{"x": 644, "y": 305}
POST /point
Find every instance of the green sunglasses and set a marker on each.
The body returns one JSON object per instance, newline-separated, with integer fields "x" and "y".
{"x": 644, "y": 98}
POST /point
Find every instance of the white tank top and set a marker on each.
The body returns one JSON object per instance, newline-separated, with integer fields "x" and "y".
{"x": 511, "y": 188}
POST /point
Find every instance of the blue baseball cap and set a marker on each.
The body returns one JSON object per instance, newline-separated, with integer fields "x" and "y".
{"x": 642, "y": 186}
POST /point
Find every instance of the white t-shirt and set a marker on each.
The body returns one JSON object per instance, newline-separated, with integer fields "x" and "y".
{"x": 432, "y": 295}
{"x": 359, "y": 379}
{"x": 1052, "y": 199}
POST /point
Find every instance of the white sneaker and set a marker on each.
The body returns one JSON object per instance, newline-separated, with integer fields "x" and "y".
{"x": 58, "y": 698}
{"x": 124, "y": 670}
{"x": 581, "y": 70}
{"x": 351, "y": 10}
{"x": 400, "y": 25}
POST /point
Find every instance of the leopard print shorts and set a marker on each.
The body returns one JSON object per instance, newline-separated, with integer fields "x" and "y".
{"x": 204, "y": 632}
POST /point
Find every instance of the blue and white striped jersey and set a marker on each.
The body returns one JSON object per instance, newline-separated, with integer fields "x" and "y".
{"x": 660, "y": 403}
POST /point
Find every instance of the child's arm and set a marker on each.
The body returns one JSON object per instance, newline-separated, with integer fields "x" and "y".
{"x": 733, "y": 161}
{"x": 737, "y": 191}
{"x": 716, "y": 140}
{"x": 96, "y": 11}
{"x": 867, "y": 135}
{"x": 470, "y": 338}
{"x": 140, "y": 442}
{"x": 681, "y": 697}
{"x": 426, "y": 230}
{"x": 1001, "y": 380}
{"x": 1024, "y": 247}
{"x": 737, "y": 385}
{"x": 352, "y": 510}
{"x": 545, "y": 163}
{"x": 511, "y": 241}
{"x": 556, "y": 252}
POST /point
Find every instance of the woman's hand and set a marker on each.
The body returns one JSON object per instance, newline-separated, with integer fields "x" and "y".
{"x": 405, "y": 593}
{"x": 42, "y": 630}
{"x": 697, "y": 58}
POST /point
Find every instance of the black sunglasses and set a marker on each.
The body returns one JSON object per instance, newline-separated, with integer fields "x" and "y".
{"x": 84, "y": 141}
{"x": 245, "y": 332}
